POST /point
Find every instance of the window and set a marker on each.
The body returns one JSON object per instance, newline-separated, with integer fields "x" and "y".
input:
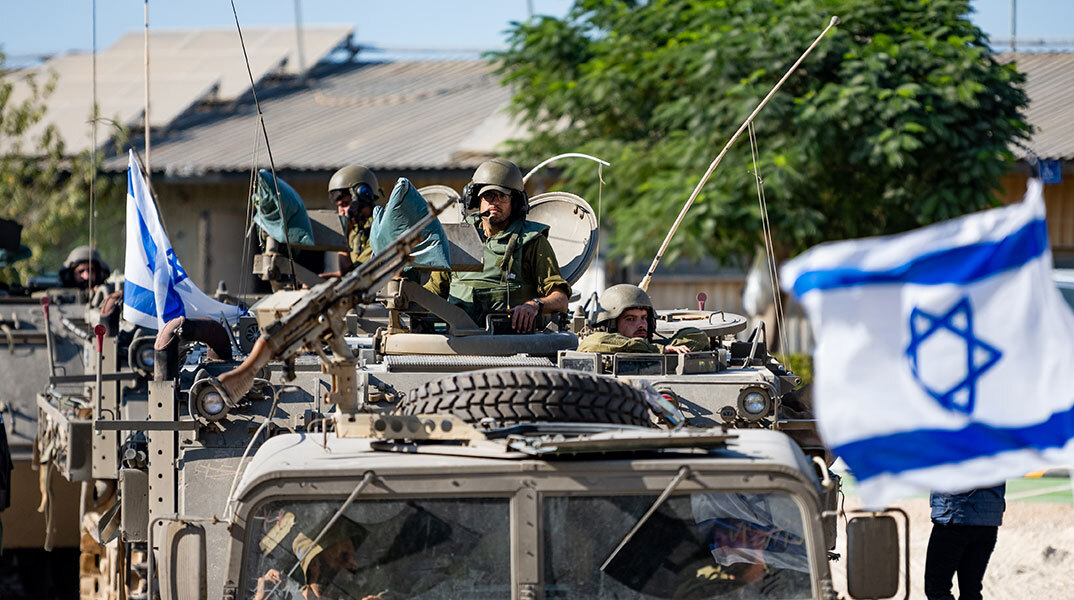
{"x": 704, "y": 545}
{"x": 421, "y": 548}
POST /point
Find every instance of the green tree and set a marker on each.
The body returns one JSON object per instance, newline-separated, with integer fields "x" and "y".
{"x": 46, "y": 189}
{"x": 899, "y": 118}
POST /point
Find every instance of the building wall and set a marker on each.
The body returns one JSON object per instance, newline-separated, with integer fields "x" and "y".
{"x": 1059, "y": 204}
{"x": 678, "y": 291}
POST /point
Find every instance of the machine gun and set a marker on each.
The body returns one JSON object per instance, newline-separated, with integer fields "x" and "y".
{"x": 311, "y": 319}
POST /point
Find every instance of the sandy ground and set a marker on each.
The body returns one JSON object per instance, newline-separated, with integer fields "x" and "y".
{"x": 1034, "y": 556}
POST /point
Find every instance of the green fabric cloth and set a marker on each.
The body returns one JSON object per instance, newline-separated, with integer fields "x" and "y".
{"x": 405, "y": 208}
{"x": 611, "y": 343}
{"x": 519, "y": 266}
{"x": 281, "y": 216}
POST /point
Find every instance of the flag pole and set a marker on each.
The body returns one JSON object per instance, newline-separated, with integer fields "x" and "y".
{"x": 148, "y": 174}
{"x": 148, "y": 186}
{"x": 712, "y": 167}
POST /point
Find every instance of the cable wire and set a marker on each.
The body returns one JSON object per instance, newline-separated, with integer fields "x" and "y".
{"x": 766, "y": 227}
{"x": 247, "y": 244}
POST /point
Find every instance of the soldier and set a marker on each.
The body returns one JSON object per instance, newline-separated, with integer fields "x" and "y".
{"x": 521, "y": 274}
{"x": 355, "y": 191}
{"x": 626, "y": 322}
{"x": 83, "y": 269}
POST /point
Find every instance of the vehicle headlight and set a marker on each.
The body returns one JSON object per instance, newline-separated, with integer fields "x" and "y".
{"x": 146, "y": 356}
{"x": 211, "y": 403}
{"x": 207, "y": 402}
{"x": 141, "y": 355}
{"x": 753, "y": 403}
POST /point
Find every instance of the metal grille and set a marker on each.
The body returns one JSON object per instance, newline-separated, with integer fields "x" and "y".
{"x": 437, "y": 362}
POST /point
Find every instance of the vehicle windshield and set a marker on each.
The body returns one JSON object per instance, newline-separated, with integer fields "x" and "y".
{"x": 420, "y": 548}
{"x": 701, "y": 545}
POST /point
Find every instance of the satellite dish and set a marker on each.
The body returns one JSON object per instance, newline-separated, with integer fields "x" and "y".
{"x": 438, "y": 195}
{"x": 715, "y": 323}
{"x": 572, "y": 230}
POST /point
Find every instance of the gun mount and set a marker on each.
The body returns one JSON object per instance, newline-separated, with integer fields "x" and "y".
{"x": 309, "y": 320}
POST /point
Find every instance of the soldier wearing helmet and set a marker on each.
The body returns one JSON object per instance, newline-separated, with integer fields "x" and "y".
{"x": 83, "y": 269}
{"x": 520, "y": 275}
{"x": 355, "y": 191}
{"x": 626, "y": 322}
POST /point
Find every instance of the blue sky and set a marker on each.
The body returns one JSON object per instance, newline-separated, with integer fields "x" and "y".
{"x": 42, "y": 27}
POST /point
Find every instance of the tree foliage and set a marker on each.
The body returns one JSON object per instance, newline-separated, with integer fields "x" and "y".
{"x": 45, "y": 188}
{"x": 899, "y": 118}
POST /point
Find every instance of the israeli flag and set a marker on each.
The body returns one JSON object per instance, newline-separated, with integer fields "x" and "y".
{"x": 157, "y": 288}
{"x": 944, "y": 355}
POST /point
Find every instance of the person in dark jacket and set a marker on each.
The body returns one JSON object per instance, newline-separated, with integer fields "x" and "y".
{"x": 964, "y": 528}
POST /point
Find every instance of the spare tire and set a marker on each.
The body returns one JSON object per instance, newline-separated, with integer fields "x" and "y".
{"x": 511, "y": 396}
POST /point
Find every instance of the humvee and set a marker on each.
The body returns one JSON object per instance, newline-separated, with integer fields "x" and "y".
{"x": 408, "y": 451}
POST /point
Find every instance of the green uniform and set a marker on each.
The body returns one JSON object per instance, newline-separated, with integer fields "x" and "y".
{"x": 519, "y": 266}
{"x": 358, "y": 241}
{"x": 612, "y": 343}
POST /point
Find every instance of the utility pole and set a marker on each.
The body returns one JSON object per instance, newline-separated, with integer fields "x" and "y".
{"x": 299, "y": 42}
{"x": 1014, "y": 25}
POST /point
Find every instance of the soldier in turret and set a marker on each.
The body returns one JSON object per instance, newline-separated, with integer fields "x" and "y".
{"x": 521, "y": 274}
{"x": 83, "y": 269}
{"x": 355, "y": 191}
{"x": 626, "y": 322}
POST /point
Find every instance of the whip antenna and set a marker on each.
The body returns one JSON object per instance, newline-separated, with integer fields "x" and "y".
{"x": 148, "y": 173}
{"x": 93, "y": 153}
{"x": 712, "y": 167}
{"x": 268, "y": 148}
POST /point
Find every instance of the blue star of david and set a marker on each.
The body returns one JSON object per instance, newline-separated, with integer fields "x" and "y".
{"x": 980, "y": 356}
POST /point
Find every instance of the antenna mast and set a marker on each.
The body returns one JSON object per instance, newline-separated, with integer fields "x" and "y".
{"x": 712, "y": 167}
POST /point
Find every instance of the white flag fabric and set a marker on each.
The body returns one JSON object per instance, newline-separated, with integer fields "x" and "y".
{"x": 157, "y": 288}
{"x": 943, "y": 355}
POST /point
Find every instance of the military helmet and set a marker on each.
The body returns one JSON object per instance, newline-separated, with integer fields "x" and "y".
{"x": 352, "y": 178}
{"x": 618, "y": 299}
{"x": 498, "y": 174}
{"x": 83, "y": 254}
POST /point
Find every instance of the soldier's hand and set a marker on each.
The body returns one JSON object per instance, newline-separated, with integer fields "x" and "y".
{"x": 523, "y": 317}
{"x": 270, "y": 576}
{"x": 676, "y": 349}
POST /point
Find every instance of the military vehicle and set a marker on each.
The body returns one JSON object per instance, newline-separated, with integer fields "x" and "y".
{"x": 436, "y": 457}
{"x": 44, "y": 329}
{"x": 43, "y": 511}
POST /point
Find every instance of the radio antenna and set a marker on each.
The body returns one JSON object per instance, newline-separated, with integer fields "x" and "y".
{"x": 712, "y": 167}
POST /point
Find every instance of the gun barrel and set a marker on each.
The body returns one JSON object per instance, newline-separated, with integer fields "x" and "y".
{"x": 310, "y": 320}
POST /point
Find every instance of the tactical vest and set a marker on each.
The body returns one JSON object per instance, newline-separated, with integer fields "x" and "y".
{"x": 502, "y": 283}
{"x": 358, "y": 240}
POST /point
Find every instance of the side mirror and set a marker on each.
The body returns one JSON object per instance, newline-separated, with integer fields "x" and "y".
{"x": 182, "y": 562}
{"x": 873, "y": 556}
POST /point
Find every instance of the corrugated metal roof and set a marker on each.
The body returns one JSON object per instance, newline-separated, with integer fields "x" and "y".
{"x": 186, "y": 67}
{"x": 450, "y": 114}
{"x": 393, "y": 115}
{"x": 1049, "y": 81}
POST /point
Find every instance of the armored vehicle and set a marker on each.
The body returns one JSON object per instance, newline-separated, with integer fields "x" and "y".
{"x": 45, "y": 335}
{"x": 432, "y": 456}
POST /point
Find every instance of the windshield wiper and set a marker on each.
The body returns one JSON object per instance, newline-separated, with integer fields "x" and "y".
{"x": 684, "y": 472}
